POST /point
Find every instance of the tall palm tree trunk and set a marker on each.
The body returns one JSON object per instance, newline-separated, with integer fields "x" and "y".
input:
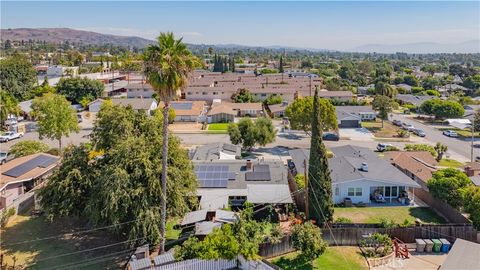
{"x": 163, "y": 198}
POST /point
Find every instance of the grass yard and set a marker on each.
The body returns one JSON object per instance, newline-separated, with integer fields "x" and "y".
{"x": 333, "y": 259}
{"x": 171, "y": 233}
{"x": 218, "y": 126}
{"x": 388, "y": 130}
{"x": 396, "y": 213}
{"x": 451, "y": 163}
{"x": 21, "y": 245}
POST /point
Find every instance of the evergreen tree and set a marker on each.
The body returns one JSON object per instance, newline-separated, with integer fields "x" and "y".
{"x": 280, "y": 66}
{"x": 225, "y": 66}
{"x": 320, "y": 203}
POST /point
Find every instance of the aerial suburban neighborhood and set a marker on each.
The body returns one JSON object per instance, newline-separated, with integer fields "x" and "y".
{"x": 186, "y": 140}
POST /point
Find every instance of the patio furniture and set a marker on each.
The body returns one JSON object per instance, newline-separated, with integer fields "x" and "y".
{"x": 379, "y": 198}
{"x": 445, "y": 245}
{"x": 436, "y": 245}
{"x": 420, "y": 245}
{"x": 428, "y": 245}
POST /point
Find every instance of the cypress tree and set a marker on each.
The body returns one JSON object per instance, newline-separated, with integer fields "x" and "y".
{"x": 320, "y": 202}
{"x": 225, "y": 66}
{"x": 280, "y": 68}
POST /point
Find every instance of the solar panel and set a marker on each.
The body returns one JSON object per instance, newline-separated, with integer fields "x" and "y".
{"x": 213, "y": 176}
{"x": 230, "y": 147}
{"x": 42, "y": 161}
{"x": 182, "y": 105}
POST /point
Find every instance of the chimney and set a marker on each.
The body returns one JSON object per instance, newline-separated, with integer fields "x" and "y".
{"x": 249, "y": 165}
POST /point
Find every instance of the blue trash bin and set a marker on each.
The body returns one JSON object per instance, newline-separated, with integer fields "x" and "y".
{"x": 445, "y": 245}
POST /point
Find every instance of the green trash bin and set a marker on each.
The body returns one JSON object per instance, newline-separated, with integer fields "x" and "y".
{"x": 437, "y": 245}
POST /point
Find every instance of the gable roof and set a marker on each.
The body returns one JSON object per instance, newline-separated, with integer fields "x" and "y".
{"x": 415, "y": 100}
{"x": 135, "y": 103}
{"x": 275, "y": 108}
{"x": 26, "y": 106}
{"x": 187, "y": 108}
{"x": 347, "y": 161}
{"x": 215, "y": 151}
{"x": 326, "y": 93}
{"x": 221, "y": 108}
{"x": 420, "y": 163}
{"x": 26, "y": 168}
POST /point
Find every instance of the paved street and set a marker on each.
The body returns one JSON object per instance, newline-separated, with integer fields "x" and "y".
{"x": 458, "y": 146}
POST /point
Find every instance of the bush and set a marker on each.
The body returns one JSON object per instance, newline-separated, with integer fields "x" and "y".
{"x": 385, "y": 223}
{"x": 421, "y": 147}
{"x": 377, "y": 245}
{"x": 308, "y": 239}
{"x": 300, "y": 180}
{"x": 28, "y": 147}
{"x": 6, "y": 215}
{"x": 343, "y": 220}
{"x": 53, "y": 151}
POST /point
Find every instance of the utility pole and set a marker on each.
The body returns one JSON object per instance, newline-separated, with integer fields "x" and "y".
{"x": 473, "y": 138}
{"x": 307, "y": 214}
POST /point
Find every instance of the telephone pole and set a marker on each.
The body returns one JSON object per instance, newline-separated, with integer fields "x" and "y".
{"x": 307, "y": 214}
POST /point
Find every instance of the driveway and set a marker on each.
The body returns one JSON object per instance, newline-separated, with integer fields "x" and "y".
{"x": 356, "y": 134}
{"x": 456, "y": 147}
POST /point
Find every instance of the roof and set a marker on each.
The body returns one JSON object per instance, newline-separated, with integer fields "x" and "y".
{"x": 187, "y": 108}
{"x": 201, "y": 215}
{"x": 463, "y": 255}
{"x": 357, "y": 110}
{"x": 215, "y": 151}
{"x": 221, "y": 108}
{"x": 206, "y": 227}
{"x": 269, "y": 194}
{"x": 326, "y": 93}
{"x": 140, "y": 264}
{"x": 135, "y": 103}
{"x": 473, "y": 165}
{"x": 475, "y": 180}
{"x": 26, "y": 168}
{"x": 347, "y": 161}
{"x": 341, "y": 115}
{"x": 164, "y": 258}
{"x": 139, "y": 86}
{"x": 26, "y": 106}
{"x": 415, "y": 100}
{"x": 246, "y": 106}
{"x": 277, "y": 107}
{"x": 420, "y": 163}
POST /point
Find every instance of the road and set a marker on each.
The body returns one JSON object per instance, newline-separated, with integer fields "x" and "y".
{"x": 434, "y": 135}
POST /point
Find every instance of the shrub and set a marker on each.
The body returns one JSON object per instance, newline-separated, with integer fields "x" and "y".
{"x": 6, "y": 215}
{"x": 377, "y": 245}
{"x": 300, "y": 180}
{"x": 385, "y": 223}
{"x": 421, "y": 147}
{"x": 343, "y": 220}
{"x": 308, "y": 239}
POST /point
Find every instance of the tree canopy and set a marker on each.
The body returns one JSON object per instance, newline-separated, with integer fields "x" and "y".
{"x": 384, "y": 105}
{"x": 28, "y": 147}
{"x": 249, "y": 133}
{"x": 74, "y": 89}
{"x": 121, "y": 183}
{"x": 300, "y": 112}
{"x": 17, "y": 76}
{"x": 242, "y": 95}
{"x": 442, "y": 109}
{"x": 307, "y": 238}
{"x": 9, "y": 105}
{"x": 447, "y": 184}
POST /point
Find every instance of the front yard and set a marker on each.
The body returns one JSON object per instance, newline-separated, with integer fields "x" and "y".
{"x": 396, "y": 213}
{"x": 451, "y": 163}
{"x": 217, "y": 128}
{"x": 333, "y": 259}
{"x": 388, "y": 130}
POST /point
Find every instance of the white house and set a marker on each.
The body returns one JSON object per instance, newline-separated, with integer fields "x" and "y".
{"x": 360, "y": 175}
{"x": 138, "y": 104}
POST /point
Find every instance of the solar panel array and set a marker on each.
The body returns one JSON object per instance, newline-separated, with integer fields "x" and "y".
{"x": 182, "y": 105}
{"x": 213, "y": 176}
{"x": 41, "y": 161}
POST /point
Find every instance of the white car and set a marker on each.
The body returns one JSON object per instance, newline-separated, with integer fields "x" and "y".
{"x": 383, "y": 146}
{"x": 10, "y": 135}
{"x": 408, "y": 127}
{"x": 450, "y": 133}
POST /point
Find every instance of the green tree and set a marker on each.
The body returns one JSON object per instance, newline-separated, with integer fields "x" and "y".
{"x": 8, "y": 105}
{"x": 299, "y": 114}
{"x": 472, "y": 82}
{"x": 320, "y": 183}
{"x": 280, "y": 65}
{"x": 55, "y": 117}
{"x": 28, "y": 147}
{"x": 383, "y": 105}
{"x": 385, "y": 89}
{"x": 440, "y": 149}
{"x": 447, "y": 185}
{"x": 74, "y": 89}
{"x": 430, "y": 83}
{"x": 411, "y": 80}
{"x": 265, "y": 131}
{"x": 242, "y": 95}
{"x": 448, "y": 109}
{"x": 307, "y": 238}
{"x": 471, "y": 202}
{"x": 428, "y": 105}
{"x": 273, "y": 99}
{"x": 248, "y": 133}
{"x": 477, "y": 121}
{"x": 17, "y": 76}
{"x": 167, "y": 67}
{"x": 234, "y": 133}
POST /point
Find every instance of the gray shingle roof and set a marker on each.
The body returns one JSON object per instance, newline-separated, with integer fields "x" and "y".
{"x": 463, "y": 255}
{"x": 214, "y": 151}
{"x": 347, "y": 161}
{"x": 415, "y": 100}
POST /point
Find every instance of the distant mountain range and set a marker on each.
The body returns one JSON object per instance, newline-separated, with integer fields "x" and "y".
{"x": 87, "y": 37}
{"x": 472, "y": 46}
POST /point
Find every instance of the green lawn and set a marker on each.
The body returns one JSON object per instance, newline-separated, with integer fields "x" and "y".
{"x": 218, "y": 126}
{"x": 171, "y": 233}
{"x": 333, "y": 259}
{"x": 396, "y": 213}
{"x": 388, "y": 130}
{"x": 20, "y": 244}
{"x": 452, "y": 163}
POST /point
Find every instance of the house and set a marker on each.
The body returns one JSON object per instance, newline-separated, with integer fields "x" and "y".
{"x": 139, "y": 90}
{"x": 224, "y": 183}
{"x": 366, "y": 113}
{"x": 472, "y": 170}
{"x": 418, "y": 165}
{"x": 414, "y": 100}
{"x": 363, "y": 90}
{"x": 221, "y": 113}
{"x": 148, "y": 105}
{"x": 26, "y": 108}
{"x": 95, "y": 105}
{"x": 202, "y": 222}
{"x": 408, "y": 88}
{"x": 337, "y": 95}
{"x": 217, "y": 151}
{"x": 278, "y": 110}
{"x": 189, "y": 111}
{"x": 463, "y": 255}
{"x": 248, "y": 109}
{"x": 22, "y": 174}
{"x": 359, "y": 174}
{"x": 348, "y": 120}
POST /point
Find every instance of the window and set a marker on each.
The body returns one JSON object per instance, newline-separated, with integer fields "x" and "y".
{"x": 351, "y": 191}
{"x": 337, "y": 191}
{"x": 204, "y": 93}
{"x": 387, "y": 191}
{"x": 358, "y": 191}
{"x": 394, "y": 192}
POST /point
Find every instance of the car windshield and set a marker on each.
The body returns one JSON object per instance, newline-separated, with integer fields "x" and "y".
{"x": 3, "y": 154}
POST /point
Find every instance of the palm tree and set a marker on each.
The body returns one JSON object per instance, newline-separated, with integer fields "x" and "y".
{"x": 385, "y": 89}
{"x": 440, "y": 149}
{"x": 167, "y": 67}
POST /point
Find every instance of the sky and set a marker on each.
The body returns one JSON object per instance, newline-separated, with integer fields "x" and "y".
{"x": 337, "y": 25}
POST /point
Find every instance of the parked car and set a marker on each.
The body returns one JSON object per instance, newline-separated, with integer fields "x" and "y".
{"x": 4, "y": 157}
{"x": 397, "y": 123}
{"x": 419, "y": 132}
{"x": 477, "y": 159}
{"x": 11, "y": 121}
{"x": 383, "y": 146}
{"x": 79, "y": 118}
{"x": 450, "y": 133}
{"x": 10, "y": 135}
{"x": 477, "y": 145}
{"x": 408, "y": 127}
{"x": 330, "y": 137}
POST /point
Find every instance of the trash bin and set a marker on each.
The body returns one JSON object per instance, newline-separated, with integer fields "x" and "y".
{"x": 420, "y": 245}
{"x": 445, "y": 245}
{"x": 436, "y": 245}
{"x": 428, "y": 245}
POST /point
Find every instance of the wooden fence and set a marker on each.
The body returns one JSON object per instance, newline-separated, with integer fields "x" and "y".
{"x": 353, "y": 234}
{"x": 442, "y": 208}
